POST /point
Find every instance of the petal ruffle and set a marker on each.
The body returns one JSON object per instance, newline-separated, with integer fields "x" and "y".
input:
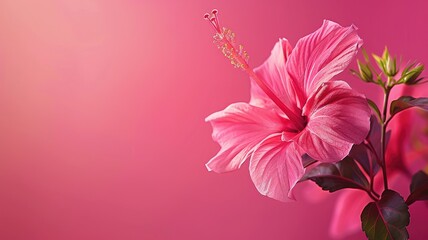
{"x": 273, "y": 73}
{"x": 237, "y": 129}
{"x": 276, "y": 167}
{"x": 321, "y": 55}
{"x": 338, "y": 117}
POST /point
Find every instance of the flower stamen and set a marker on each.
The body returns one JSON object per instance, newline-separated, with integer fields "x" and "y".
{"x": 225, "y": 41}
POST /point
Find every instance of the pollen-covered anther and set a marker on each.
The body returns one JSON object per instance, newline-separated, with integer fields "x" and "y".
{"x": 237, "y": 59}
{"x": 224, "y": 38}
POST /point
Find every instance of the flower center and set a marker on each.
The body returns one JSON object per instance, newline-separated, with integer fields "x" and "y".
{"x": 225, "y": 41}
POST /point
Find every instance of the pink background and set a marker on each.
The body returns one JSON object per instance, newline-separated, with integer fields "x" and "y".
{"x": 102, "y": 107}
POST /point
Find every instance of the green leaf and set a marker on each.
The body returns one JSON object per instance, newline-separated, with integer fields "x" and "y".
{"x": 386, "y": 219}
{"x": 374, "y": 136}
{"x": 307, "y": 160}
{"x": 418, "y": 188}
{"x": 335, "y": 176}
{"x": 364, "y": 156}
{"x": 375, "y": 108}
{"x": 367, "y": 153}
{"x": 406, "y": 102}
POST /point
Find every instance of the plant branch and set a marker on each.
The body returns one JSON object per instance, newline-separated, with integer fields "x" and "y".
{"x": 384, "y": 124}
{"x": 375, "y": 198}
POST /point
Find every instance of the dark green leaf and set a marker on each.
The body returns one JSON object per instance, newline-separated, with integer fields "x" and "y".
{"x": 406, "y": 102}
{"x": 375, "y": 108}
{"x": 367, "y": 153}
{"x": 374, "y": 136}
{"x": 365, "y": 157}
{"x": 307, "y": 160}
{"x": 335, "y": 176}
{"x": 418, "y": 188}
{"x": 386, "y": 219}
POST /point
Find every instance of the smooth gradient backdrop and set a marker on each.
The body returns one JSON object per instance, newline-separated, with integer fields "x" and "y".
{"x": 102, "y": 107}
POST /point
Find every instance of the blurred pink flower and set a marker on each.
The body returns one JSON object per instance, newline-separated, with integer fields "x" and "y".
{"x": 328, "y": 116}
{"x": 404, "y": 157}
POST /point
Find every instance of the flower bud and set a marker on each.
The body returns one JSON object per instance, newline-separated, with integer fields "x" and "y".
{"x": 391, "y": 66}
{"x": 364, "y": 72}
{"x": 410, "y": 75}
{"x": 386, "y": 63}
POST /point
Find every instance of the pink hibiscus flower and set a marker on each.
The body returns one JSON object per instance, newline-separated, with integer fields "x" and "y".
{"x": 404, "y": 157}
{"x": 295, "y": 109}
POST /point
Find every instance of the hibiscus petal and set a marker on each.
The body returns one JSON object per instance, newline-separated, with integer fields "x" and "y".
{"x": 276, "y": 167}
{"x": 406, "y": 151}
{"x": 321, "y": 55}
{"x": 309, "y": 192}
{"x": 347, "y": 211}
{"x": 273, "y": 73}
{"x": 338, "y": 117}
{"x": 237, "y": 129}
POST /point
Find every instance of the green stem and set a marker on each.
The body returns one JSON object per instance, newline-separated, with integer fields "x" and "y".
{"x": 387, "y": 121}
{"x": 372, "y": 188}
{"x": 384, "y": 124}
{"x": 372, "y": 196}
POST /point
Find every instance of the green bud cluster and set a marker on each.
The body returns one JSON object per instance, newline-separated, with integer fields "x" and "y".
{"x": 387, "y": 65}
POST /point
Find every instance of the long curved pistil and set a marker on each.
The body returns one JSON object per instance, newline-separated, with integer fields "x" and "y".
{"x": 225, "y": 40}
